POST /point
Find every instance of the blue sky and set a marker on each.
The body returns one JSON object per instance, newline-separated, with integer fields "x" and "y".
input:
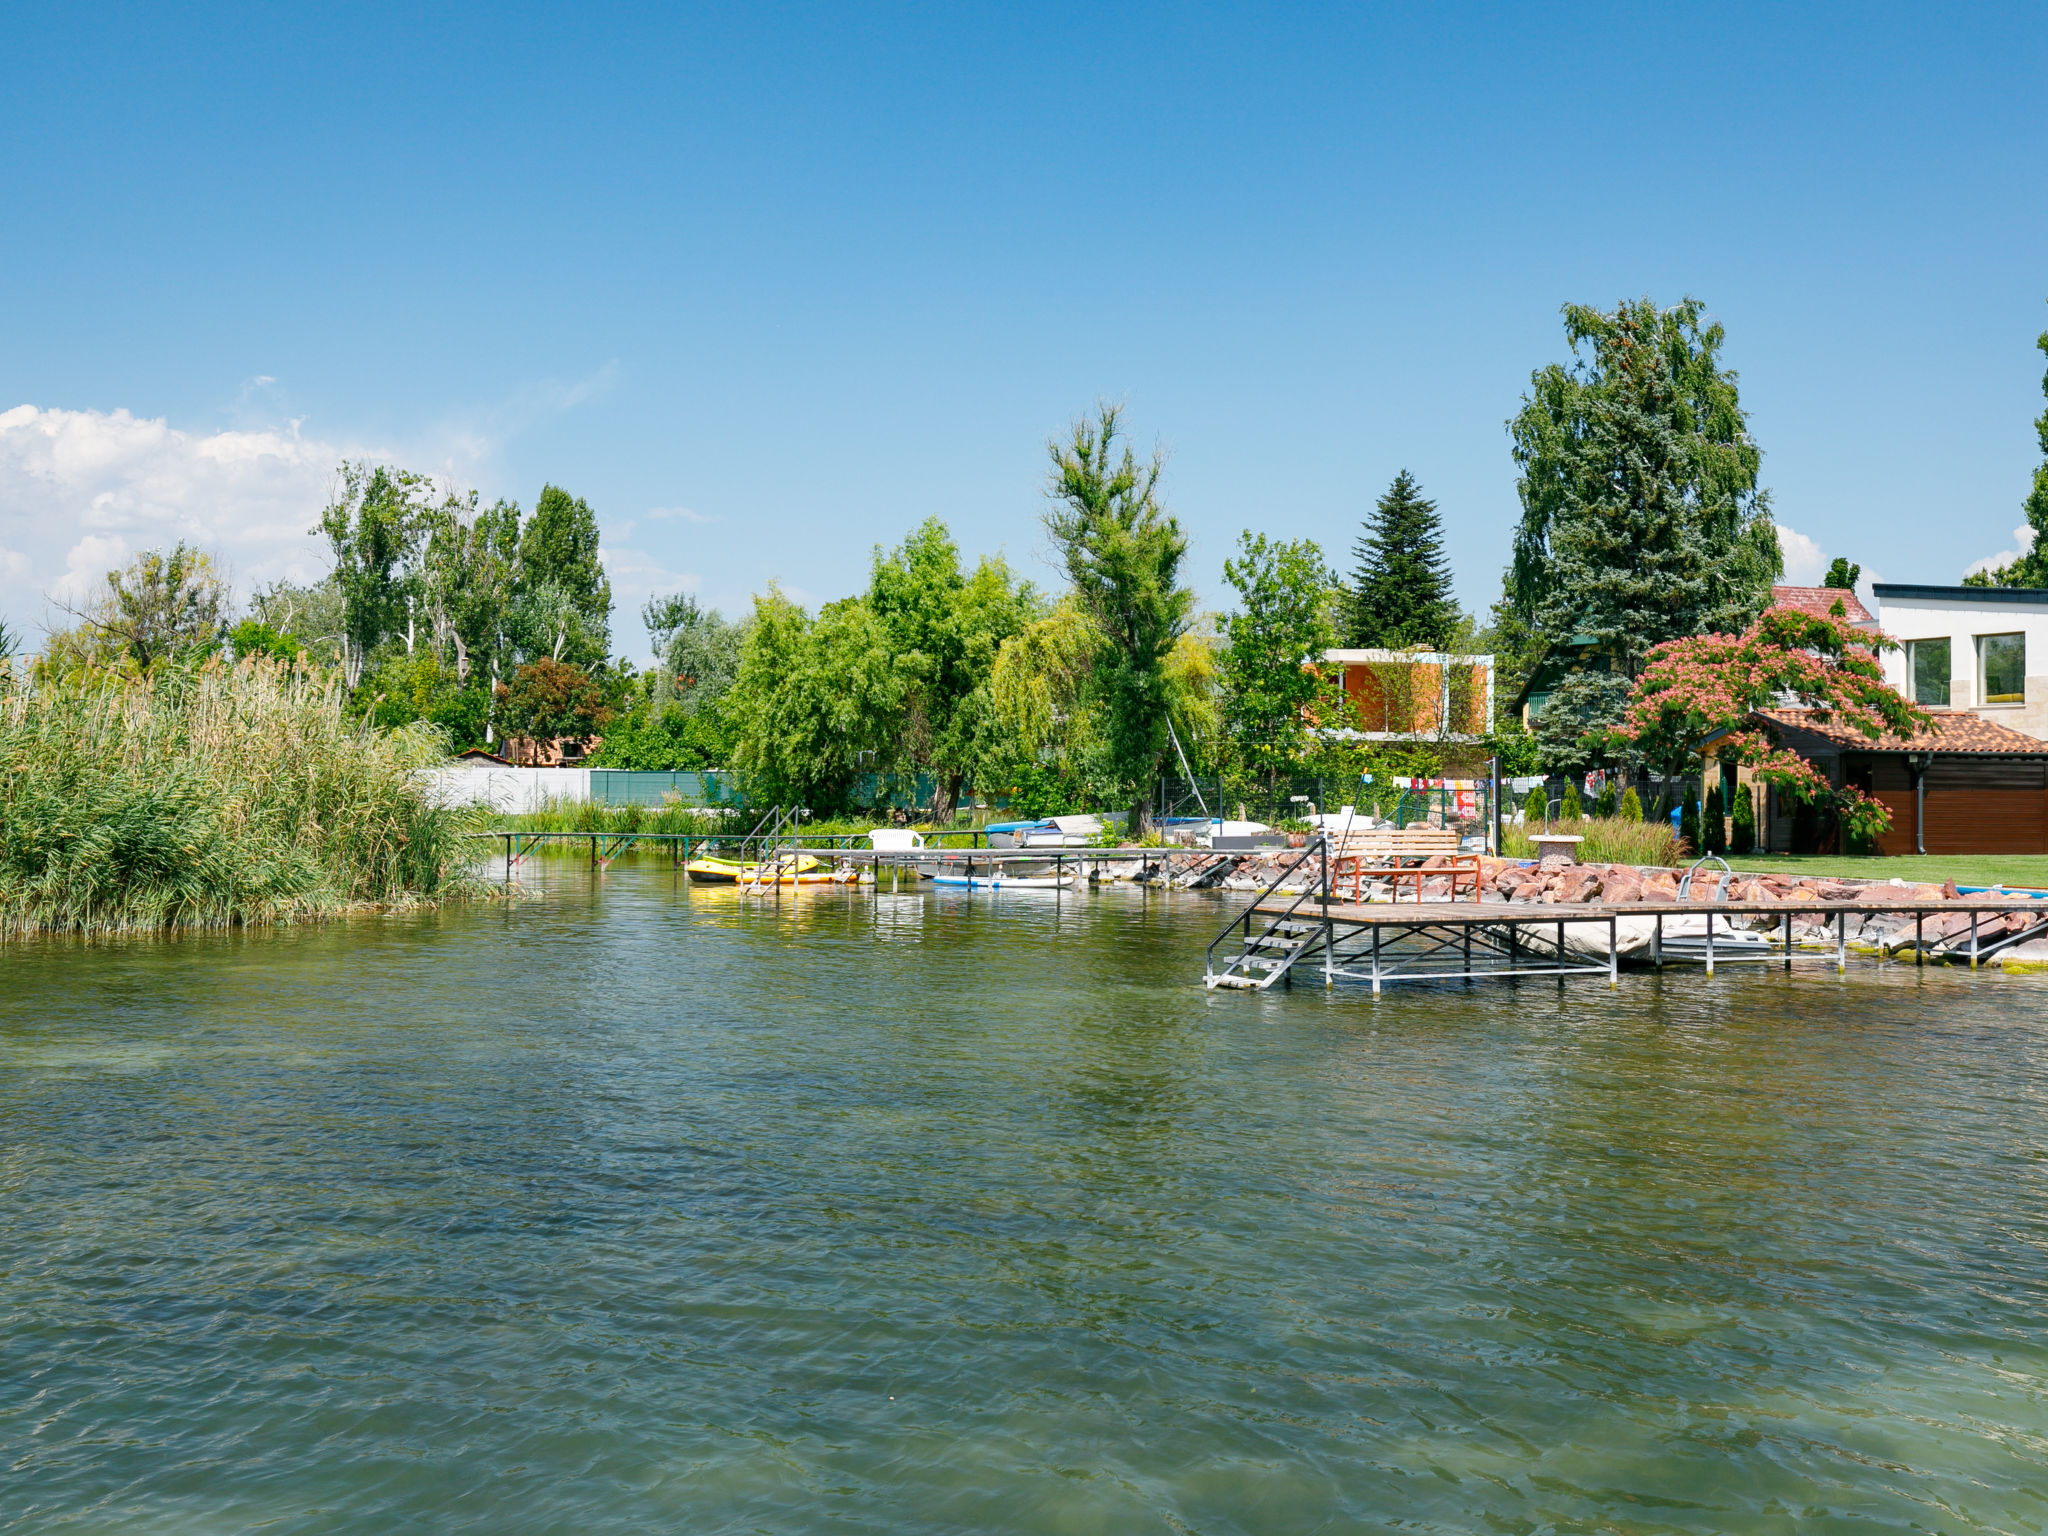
{"x": 769, "y": 285}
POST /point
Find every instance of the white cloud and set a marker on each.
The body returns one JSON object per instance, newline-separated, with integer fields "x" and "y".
{"x": 2022, "y": 541}
{"x": 82, "y": 490}
{"x": 659, "y": 514}
{"x": 1805, "y": 563}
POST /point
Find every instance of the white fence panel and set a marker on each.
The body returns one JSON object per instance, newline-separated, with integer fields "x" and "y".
{"x": 510, "y": 791}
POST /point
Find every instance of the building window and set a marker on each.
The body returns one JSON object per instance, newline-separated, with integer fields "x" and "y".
{"x": 2002, "y": 666}
{"x": 1927, "y": 669}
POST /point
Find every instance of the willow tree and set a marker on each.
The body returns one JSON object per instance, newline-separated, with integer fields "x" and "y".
{"x": 946, "y": 628}
{"x": 1641, "y": 517}
{"x": 1122, "y": 552}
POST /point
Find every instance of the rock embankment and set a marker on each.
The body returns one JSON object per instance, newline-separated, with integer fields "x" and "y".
{"x": 1510, "y": 880}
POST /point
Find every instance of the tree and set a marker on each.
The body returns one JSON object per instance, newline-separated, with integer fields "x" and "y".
{"x": 470, "y": 570}
{"x": 2031, "y": 568}
{"x": 946, "y": 629}
{"x": 1700, "y": 693}
{"x": 813, "y": 699}
{"x": 1842, "y": 574}
{"x": 373, "y": 525}
{"x": 1273, "y": 679}
{"x": 1641, "y": 517}
{"x": 1122, "y": 553}
{"x": 160, "y": 606}
{"x": 567, "y": 598}
{"x": 1572, "y": 729}
{"x": 548, "y": 699}
{"x": 1400, "y": 593}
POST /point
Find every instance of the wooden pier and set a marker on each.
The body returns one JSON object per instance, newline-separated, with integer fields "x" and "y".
{"x": 1385, "y": 942}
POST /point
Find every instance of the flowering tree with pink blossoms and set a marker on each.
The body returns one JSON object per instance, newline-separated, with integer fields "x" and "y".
{"x": 1697, "y": 695}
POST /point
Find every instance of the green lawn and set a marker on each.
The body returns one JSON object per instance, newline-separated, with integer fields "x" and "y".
{"x": 1965, "y": 869}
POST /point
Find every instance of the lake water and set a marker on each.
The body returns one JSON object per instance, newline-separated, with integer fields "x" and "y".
{"x": 641, "y": 1209}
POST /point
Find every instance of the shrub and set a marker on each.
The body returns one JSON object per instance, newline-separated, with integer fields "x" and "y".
{"x": 1571, "y": 809}
{"x": 209, "y": 797}
{"x": 1536, "y": 807}
{"x": 1713, "y": 824}
{"x": 1606, "y": 803}
{"x": 1631, "y": 807}
{"x": 1742, "y": 838}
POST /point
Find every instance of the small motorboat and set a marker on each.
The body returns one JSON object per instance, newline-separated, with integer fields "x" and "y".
{"x": 999, "y": 881}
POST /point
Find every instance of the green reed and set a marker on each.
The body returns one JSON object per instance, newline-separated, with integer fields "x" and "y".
{"x": 1608, "y": 840}
{"x": 213, "y": 797}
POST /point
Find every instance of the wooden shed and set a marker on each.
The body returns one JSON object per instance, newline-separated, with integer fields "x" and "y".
{"x": 1965, "y": 785}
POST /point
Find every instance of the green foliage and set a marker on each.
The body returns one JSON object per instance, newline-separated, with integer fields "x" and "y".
{"x": 1631, "y": 806}
{"x": 1842, "y": 573}
{"x": 1713, "y": 823}
{"x": 2031, "y": 568}
{"x": 1641, "y": 517}
{"x": 1607, "y": 803}
{"x": 1122, "y": 552}
{"x": 1515, "y": 749}
{"x": 208, "y": 797}
{"x": 1689, "y": 818}
{"x": 1742, "y": 835}
{"x": 1535, "y": 806}
{"x": 1401, "y": 588}
{"x": 1570, "y": 808}
{"x": 1272, "y": 678}
{"x": 252, "y": 637}
{"x": 1573, "y": 725}
{"x": 672, "y": 739}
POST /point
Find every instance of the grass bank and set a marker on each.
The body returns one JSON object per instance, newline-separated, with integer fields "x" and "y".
{"x": 212, "y": 798}
{"x": 1964, "y": 868}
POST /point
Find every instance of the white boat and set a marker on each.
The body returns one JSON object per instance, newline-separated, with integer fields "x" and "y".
{"x": 1002, "y": 882}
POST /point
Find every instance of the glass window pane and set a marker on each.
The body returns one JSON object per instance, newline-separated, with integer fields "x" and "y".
{"x": 2002, "y": 663}
{"x": 1930, "y": 671}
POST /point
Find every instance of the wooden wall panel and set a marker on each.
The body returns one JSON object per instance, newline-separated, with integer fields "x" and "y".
{"x": 1985, "y": 821}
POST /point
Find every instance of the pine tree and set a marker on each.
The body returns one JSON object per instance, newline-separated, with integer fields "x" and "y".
{"x": 1641, "y": 517}
{"x": 1401, "y": 589}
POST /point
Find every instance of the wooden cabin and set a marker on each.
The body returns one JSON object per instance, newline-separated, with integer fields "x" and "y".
{"x": 1965, "y": 785}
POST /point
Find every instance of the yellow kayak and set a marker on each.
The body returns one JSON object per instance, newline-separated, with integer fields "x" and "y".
{"x": 803, "y": 871}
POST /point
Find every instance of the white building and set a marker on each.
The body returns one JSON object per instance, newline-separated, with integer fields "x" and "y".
{"x": 1984, "y": 649}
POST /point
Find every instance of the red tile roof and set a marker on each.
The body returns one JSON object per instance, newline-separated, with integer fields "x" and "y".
{"x": 1953, "y": 731}
{"x": 1818, "y": 600}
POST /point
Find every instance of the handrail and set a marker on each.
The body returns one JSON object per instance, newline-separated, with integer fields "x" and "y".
{"x": 1319, "y": 846}
{"x": 1685, "y": 880}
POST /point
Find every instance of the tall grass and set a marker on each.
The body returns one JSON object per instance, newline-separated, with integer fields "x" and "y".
{"x": 1608, "y": 840}
{"x": 209, "y": 798}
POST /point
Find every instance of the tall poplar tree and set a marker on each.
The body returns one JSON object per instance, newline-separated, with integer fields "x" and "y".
{"x": 2031, "y": 569}
{"x": 1401, "y": 588}
{"x": 565, "y": 595}
{"x": 1641, "y": 517}
{"x": 1122, "y": 552}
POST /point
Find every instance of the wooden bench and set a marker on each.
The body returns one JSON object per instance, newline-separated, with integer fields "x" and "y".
{"x": 1394, "y": 857}
{"x": 1393, "y": 842}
